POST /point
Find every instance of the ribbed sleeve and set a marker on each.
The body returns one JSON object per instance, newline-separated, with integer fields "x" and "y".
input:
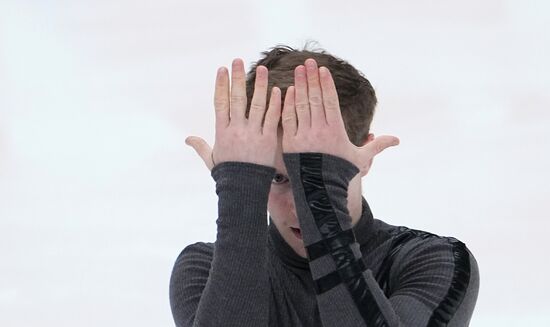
{"x": 234, "y": 289}
{"x": 435, "y": 282}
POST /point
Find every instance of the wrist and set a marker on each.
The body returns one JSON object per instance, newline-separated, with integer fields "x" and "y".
{"x": 320, "y": 186}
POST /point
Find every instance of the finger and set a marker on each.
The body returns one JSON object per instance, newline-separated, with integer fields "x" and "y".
{"x": 330, "y": 99}
{"x": 315, "y": 96}
{"x": 301, "y": 101}
{"x": 289, "y": 113}
{"x": 257, "y": 106}
{"x": 221, "y": 98}
{"x": 378, "y": 145}
{"x": 238, "y": 92}
{"x": 202, "y": 149}
{"x": 273, "y": 114}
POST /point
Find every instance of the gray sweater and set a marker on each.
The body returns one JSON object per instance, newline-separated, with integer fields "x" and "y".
{"x": 371, "y": 274}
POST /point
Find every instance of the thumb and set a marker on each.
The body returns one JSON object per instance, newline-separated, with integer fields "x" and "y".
{"x": 202, "y": 148}
{"x": 378, "y": 145}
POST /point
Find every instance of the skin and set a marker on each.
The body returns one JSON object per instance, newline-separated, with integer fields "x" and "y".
{"x": 281, "y": 205}
{"x": 311, "y": 122}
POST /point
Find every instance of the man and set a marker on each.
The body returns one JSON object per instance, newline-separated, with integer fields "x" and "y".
{"x": 322, "y": 260}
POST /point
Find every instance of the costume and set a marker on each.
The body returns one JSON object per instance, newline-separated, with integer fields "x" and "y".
{"x": 371, "y": 274}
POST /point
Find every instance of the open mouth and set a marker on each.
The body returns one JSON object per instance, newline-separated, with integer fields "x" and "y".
{"x": 297, "y": 232}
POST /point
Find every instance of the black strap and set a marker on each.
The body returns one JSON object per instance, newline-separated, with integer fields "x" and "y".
{"x": 326, "y": 246}
{"x": 336, "y": 277}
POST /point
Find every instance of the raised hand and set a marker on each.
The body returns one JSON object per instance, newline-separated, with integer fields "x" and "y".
{"x": 239, "y": 138}
{"x": 312, "y": 121}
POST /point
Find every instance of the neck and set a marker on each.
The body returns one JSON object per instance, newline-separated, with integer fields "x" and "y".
{"x": 356, "y": 210}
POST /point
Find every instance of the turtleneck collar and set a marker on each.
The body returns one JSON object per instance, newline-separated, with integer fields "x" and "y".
{"x": 363, "y": 231}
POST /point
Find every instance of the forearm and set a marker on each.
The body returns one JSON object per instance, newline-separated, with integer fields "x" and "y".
{"x": 236, "y": 293}
{"x": 321, "y": 205}
{"x": 347, "y": 292}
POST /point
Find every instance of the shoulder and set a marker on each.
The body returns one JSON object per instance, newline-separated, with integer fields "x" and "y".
{"x": 410, "y": 246}
{"x": 192, "y": 264}
{"x": 405, "y": 241}
{"x": 434, "y": 252}
{"x": 409, "y": 249}
{"x": 420, "y": 257}
{"x": 198, "y": 248}
{"x": 188, "y": 279}
{"x": 198, "y": 254}
{"x": 415, "y": 242}
{"x": 439, "y": 271}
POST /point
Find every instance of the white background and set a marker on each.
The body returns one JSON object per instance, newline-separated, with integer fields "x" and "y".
{"x": 99, "y": 193}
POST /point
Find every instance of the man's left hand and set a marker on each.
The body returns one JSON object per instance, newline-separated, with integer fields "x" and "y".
{"x": 312, "y": 121}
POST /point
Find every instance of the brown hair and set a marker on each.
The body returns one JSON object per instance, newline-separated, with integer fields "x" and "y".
{"x": 355, "y": 93}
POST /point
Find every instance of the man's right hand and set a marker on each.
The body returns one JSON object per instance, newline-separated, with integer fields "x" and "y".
{"x": 239, "y": 138}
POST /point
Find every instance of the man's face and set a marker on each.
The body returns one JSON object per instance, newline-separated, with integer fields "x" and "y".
{"x": 283, "y": 211}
